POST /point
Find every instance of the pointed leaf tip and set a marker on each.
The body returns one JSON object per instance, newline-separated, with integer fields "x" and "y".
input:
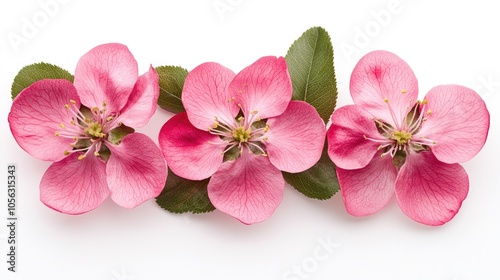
{"x": 310, "y": 63}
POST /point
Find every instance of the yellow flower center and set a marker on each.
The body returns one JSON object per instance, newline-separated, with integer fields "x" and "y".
{"x": 241, "y": 134}
{"x": 94, "y": 129}
{"x": 401, "y": 137}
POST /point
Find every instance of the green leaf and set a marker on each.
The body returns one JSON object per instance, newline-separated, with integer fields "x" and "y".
{"x": 319, "y": 181}
{"x": 310, "y": 63}
{"x": 171, "y": 84}
{"x": 35, "y": 72}
{"x": 116, "y": 135}
{"x": 181, "y": 195}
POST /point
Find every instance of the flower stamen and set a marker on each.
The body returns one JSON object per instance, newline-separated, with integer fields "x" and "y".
{"x": 87, "y": 129}
{"x": 393, "y": 114}
{"x": 243, "y": 132}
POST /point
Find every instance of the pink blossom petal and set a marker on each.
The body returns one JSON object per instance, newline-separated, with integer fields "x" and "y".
{"x": 367, "y": 190}
{"x": 205, "y": 96}
{"x": 74, "y": 186}
{"x": 429, "y": 191}
{"x": 380, "y": 75}
{"x": 136, "y": 170}
{"x": 191, "y": 153}
{"x": 347, "y": 146}
{"x": 107, "y": 73}
{"x": 458, "y": 122}
{"x": 264, "y": 88}
{"x": 249, "y": 188}
{"x": 295, "y": 138}
{"x": 37, "y": 113}
{"x": 142, "y": 102}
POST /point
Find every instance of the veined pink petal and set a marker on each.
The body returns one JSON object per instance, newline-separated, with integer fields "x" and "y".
{"x": 142, "y": 102}
{"x": 249, "y": 188}
{"x": 136, "y": 170}
{"x": 347, "y": 146}
{"x": 429, "y": 191}
{"x": 191, "y": 153}
{"x": 205, "y": 96}
{"x": 458, "y": 120}
{"x": 367, "y": 190}
{"x": 38, "y": 112}
{"x": 380, "y": 75}
{"x": 107, "y": 73}
{"x": 74, "y": 186}
{"x": 264, "y": 88}
{"x": 295, "y": 138}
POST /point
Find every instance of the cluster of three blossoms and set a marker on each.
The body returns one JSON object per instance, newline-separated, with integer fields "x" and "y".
{"x": 241, "y": 131}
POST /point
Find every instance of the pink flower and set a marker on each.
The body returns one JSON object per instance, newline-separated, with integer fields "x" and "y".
{"x": 242, "y": 130}
{"x": 390, "y": 142}
{"x": 90, "y": 159}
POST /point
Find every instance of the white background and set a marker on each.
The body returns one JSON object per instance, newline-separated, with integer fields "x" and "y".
{"x": 444, "y": 42}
